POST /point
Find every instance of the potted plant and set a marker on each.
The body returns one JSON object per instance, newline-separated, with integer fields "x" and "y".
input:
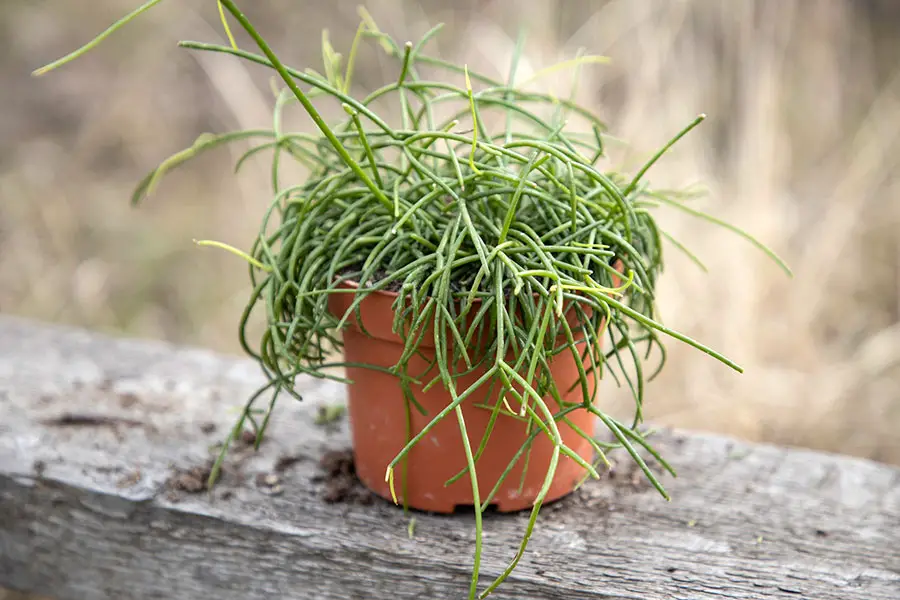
{"x": 469, "y": 261}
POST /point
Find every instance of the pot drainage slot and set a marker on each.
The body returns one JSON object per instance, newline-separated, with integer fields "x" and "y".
{"x": 469, "y": 509}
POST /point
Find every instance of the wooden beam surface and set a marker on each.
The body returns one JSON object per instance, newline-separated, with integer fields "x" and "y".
{"x": 104, "y": 444}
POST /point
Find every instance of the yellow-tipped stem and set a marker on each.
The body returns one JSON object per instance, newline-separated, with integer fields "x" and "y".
{"x": 236, "y": 252}
{"x": 389, "y": 477}
{"x": 226, "y": 27}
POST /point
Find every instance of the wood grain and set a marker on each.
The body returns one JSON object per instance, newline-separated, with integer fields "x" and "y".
{"x": 98, "y": 438}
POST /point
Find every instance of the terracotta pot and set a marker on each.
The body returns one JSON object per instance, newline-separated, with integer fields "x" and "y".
{"x": 378, "y": 423}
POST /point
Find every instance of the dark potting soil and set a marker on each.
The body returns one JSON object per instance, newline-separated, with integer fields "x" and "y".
{"x": 379, "y": 275}
{"x": 341, "y": 483}
{"x": 456, "y": 286}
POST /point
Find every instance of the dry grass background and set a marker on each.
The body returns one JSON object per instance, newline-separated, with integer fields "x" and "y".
{"x": 801, "y": 148}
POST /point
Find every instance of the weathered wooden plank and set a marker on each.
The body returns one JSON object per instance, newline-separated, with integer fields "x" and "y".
{"x": 94, "y": 431}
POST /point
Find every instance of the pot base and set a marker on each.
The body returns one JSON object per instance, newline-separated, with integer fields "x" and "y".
{"x": 441, "y": 504}
{"x": 377, "y": 413}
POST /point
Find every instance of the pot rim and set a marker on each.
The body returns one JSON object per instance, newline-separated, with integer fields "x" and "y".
{"x": 349, "y": 283}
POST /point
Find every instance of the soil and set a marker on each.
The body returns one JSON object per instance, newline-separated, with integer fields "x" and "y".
{"x": 248, "y": 438}
{"x": 128, "y": 399}
{"x": 455, "y": 286}
{"x": 286, "y": 462}
{"x": 629, "y": 476}
{"x": 393, "y": 286}
{"x": 113, "y": 424}
{"x": 341, "y": 483}
{"x": 190, "y": 481}
{"x": 78, "y": 420}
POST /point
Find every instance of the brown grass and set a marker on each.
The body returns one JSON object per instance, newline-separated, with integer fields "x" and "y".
{"x": 801, "y": 148}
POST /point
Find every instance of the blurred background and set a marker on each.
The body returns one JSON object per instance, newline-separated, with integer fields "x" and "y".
{"x": 801, "y": 148}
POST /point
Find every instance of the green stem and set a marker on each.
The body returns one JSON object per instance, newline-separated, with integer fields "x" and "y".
{"x": 307, "y": 105}
{"x": 660, "y": 152}
{"x": 97, "y": 40}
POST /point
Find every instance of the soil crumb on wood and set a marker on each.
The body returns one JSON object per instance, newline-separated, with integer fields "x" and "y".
{"x": 341, "y": 483}
{"x": 111, "y": 423}
{"x": 79, "y": 420}
{"x": 248, "y": 438}
{"x": 622, "y": 479}
{"x": 190, "y": 481}
{"x": 628, "y": 476}
{"x": 128, "y": 399}
{"x": 286, "y": 462}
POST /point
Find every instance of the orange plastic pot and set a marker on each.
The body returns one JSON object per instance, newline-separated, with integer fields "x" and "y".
{"x": 377, "y": 413}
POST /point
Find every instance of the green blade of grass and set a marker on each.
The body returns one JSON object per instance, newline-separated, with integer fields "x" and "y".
{"x": 97, "y": 40}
